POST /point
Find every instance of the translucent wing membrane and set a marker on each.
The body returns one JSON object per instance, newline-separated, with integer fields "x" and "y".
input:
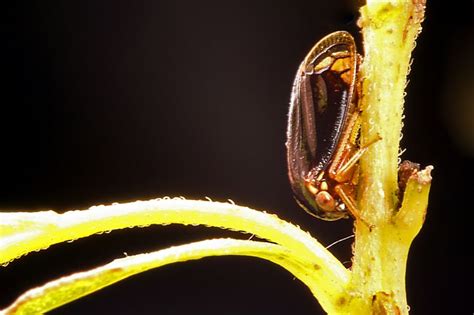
{"x": 321, "y": 101}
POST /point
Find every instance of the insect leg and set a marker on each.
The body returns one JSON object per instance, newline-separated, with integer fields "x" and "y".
{"x": 345, "y": 152}
{"x": 348, "y": 157}
{"x": 347, "y": 167}
{"x": 346, "y": 192}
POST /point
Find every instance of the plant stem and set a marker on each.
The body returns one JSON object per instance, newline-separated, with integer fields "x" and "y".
{"x": 21, "y": 233}
{"x": 381, "y": 247}
{"x": 71, "y": 287}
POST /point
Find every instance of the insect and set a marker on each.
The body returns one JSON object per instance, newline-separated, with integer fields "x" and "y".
{"x": 323, "y": 126}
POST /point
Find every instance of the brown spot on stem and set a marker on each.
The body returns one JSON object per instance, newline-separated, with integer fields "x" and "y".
{"x": 405, "y": 171}
{"x": 383, "y": 303}
{"x": 341, "y": 301}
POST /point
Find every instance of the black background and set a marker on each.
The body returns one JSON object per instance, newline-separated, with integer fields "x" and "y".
{"x": 114, "y": 101}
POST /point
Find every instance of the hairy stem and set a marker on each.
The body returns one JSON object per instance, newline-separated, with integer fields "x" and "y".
{"x": 21, "y": 233}
{"x": 381, "y": 245}
{"x": 71, "y": 287}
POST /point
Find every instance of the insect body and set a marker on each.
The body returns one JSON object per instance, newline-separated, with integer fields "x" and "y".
{"x": 322, "y": 129}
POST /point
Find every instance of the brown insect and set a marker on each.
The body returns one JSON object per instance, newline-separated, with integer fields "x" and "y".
{"x": 323, "y": 127}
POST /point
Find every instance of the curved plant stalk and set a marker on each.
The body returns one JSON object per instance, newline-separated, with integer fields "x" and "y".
{"x": 381, "y": 247}
{"x": 69, "y": 288}
{"x": 25, "y": 232}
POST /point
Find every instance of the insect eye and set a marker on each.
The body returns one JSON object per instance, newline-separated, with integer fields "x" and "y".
{"x": 325, "y": 201}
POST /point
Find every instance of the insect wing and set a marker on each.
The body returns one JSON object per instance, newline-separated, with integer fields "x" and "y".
{"x": 320, "y": 103}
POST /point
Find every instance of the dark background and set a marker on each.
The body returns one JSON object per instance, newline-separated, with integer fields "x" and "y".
{"x": 114, "y": 101}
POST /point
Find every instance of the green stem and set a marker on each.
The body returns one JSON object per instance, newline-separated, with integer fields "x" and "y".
{"x": 69, "y": 288}
{"x": 381, "y": 247}
{"x": 21, "y": 233}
